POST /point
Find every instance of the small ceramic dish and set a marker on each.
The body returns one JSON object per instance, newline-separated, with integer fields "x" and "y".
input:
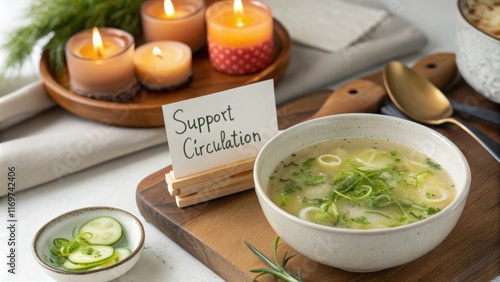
{"x": 63, "y": 226}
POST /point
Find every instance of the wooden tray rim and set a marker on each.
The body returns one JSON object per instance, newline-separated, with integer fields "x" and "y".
{"x": 68, "y": 100}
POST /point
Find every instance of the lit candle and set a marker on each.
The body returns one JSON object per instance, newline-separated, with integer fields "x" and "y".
{"x": 240, "y": 36}
{"x": 101, "y": 64}
{"x": 163, "y": 65}
{"x": 175, "y": 20}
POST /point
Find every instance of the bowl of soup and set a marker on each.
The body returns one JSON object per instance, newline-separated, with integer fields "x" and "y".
{"x": 361, "y": 192}
{"x": 478, "y": 46}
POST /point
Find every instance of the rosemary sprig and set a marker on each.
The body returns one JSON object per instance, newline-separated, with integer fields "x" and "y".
{"x": 278, "y": 269}
{"x": 57, "y": 20}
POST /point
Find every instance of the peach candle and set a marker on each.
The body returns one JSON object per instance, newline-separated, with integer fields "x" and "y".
{"x": 101, "y": 64}
{"x": 240, "y": 36}
{"x": 163, "y": 65}
{"x": 175, "y": 20}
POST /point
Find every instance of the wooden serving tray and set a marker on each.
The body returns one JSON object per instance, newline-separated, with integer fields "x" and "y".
{"x": 145, "y": 109}
{"x": 214, "y": 232}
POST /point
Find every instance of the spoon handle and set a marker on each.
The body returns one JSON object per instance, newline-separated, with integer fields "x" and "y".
{"x": 484, "y": 140}
{"x": 465, "y": 110}
{"x": 359, "y": 96}
{"x": 365, "y": 95}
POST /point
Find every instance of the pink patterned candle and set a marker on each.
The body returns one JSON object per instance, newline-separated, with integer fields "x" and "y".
{"x": 240, "y": 36}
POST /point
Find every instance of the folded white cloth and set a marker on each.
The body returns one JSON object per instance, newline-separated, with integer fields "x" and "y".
{"x": 53, "y": 143}
{"x": 23, "y": 104}
{"x": 329, "y": 25}
{"x": 56, "y": 143}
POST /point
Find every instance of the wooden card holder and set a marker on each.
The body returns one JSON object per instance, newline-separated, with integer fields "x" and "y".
{"x": 211, "y": 184}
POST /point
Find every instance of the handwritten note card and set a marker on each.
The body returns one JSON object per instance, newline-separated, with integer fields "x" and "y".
{"x": 221, "y": 128}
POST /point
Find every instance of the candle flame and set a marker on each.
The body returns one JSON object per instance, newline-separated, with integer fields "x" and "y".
{"x": 238, "y": 10}
{"x": 169, "y": 8}
{"x": 157, "y": 52}
{"x": 238, "y": 7}
{"x": 97, "y": 42}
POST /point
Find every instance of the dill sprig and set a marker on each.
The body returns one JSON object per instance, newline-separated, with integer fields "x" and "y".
{"x": 57, "y": 20}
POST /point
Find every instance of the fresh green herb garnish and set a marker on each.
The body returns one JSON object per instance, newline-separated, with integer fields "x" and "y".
{"x": 57, "y": 20}
{"x": 360, "y": 220}
{"x": 369, "y": 188}
{"x": 291, "y": 164}
{"x": 290, "y": 186}
{"x": 417, "y": 216}
{"x": 381, "y": 214}
{"x": 312, "y": 180}
{"x": 63, "y": 247}
{"x": 308, "y": 163}
{"x": 277, "y": 269}
{"x": 432, "y": 210}
{"x": 432, "y": 164}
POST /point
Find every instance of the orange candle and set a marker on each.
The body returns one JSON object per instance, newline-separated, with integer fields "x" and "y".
{"x": 240, "y": 36}
{"x": 100, "y": 64}
{"x": 163, "y": 65}
{"x": 175, "y": 20}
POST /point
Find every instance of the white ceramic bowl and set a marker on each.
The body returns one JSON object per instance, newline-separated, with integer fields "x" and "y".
{"x": 478, "y": 57}
{"x": 63, "y": 225}
{"x": 362, "y": 250}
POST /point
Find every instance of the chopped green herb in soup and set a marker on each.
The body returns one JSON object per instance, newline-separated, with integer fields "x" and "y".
{"x": 362, "y": 184}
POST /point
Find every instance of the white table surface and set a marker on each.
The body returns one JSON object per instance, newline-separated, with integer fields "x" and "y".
{"x": 116, "y": 181}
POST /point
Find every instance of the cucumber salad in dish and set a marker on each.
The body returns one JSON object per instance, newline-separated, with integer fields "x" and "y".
{"x": 98, "y": 243}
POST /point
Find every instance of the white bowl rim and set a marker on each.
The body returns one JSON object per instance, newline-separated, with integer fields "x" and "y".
{"x": 462, "y": 15}
{"x": 133, "y": 253}
{"x": 459, "y": 199}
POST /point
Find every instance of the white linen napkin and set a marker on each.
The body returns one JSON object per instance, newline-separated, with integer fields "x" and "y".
{"x": 56, "y": 143}
{"x": 329, "y": 25}
{"x": 23, "y": 104}
{"x": 53, "y": 143}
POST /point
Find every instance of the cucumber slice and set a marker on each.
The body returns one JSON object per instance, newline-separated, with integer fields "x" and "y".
{"x": 91, "y": 255}
{"x": 119, "y": 255}
{"x": 105, "y": 230}
{"x": 71, "y": 266}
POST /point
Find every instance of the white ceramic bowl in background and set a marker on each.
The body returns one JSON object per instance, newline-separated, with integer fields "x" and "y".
{"x": 362, "y": 250}
{"x": 478, "y": 57}
{"x": 62, "y": 225}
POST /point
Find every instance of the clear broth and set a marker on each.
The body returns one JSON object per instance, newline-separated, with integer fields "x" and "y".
{"x": 361, "y": 184}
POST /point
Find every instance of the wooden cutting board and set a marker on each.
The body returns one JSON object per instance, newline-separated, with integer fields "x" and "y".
{"x": 214, "y": 232}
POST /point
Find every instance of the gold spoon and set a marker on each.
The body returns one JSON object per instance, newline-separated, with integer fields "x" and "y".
{"x": 420, "y": 100}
